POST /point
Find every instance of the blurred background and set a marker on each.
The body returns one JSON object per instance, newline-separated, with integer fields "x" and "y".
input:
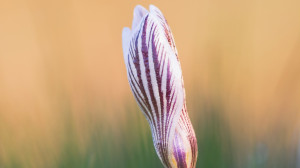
{"x": 65, "y": 101}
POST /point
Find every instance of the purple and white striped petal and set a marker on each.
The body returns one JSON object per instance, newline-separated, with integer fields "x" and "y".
{"x": 155, "y": 78}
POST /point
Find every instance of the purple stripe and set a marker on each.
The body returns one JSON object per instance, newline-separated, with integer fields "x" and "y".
{"x": 130, "y": 68}
{"x": 191, "y": 135}
{"x": 170, "y": 98}
{"x": 179, "y": 152}
{"x": 161, "y": 95}
{"x": 168, "y": 92}
{"x": 136, "y": 62}
{"x": 136, "y": 82}
{"x": 150, "y": 87}
{"x": 147, "y": 68}
{"x": 168, "y": 89}
{"x": 163, "y": 63}
{"x": 138, "y": 97}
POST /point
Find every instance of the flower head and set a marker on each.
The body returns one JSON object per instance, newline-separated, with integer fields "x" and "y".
{"x": 155, "y": 78}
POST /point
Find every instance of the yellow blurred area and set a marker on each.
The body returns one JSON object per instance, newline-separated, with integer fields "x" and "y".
{"x": 58, "y": 56}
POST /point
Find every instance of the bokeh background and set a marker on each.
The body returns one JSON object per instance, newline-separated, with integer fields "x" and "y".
{"x": 65, "y": 101}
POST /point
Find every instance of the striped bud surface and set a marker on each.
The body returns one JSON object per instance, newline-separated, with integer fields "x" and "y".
{"x": 155, "y": 78}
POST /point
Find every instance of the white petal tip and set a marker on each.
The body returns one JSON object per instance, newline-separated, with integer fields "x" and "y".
{"x": 138, "y": 13}
{"x": 153, "y": 8}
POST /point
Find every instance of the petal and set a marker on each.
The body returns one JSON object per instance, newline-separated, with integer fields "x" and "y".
{"x": 125, "y": 42}
{"x": 138, "y": 13}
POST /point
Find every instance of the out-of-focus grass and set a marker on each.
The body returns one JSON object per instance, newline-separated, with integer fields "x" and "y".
{"x": 131, "y": 145}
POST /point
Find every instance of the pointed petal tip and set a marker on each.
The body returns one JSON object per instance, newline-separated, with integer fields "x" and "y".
{"x": 138, "y": 13}
{"x": 153, "y": 8}
{"x": 140, "y": 8}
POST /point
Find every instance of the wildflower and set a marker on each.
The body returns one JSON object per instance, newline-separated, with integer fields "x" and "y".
{"x": 155, "y": 78}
